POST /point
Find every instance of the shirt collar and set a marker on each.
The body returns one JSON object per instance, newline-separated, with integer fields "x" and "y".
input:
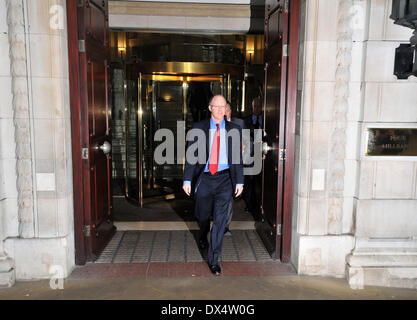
{"x": 222, "y": 124}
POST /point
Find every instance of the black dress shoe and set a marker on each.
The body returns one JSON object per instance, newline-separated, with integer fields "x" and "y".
{"x": 215, "y": 269}
{"x": 202, "y": 244}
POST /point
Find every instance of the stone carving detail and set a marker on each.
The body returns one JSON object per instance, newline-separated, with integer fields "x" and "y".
{"x": 338, "y": 134}
{"x": 17, "y": 53}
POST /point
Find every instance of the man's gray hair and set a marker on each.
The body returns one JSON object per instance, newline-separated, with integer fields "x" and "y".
{"x": 217, "y": 95}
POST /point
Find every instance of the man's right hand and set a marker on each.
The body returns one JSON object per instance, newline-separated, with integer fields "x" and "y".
{"x": 187, "y": 189}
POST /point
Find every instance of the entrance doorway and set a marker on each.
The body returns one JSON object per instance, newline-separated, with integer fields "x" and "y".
{"x": 160, "y": 99}
{"x": 150, "y": 205}
{"x": 154, "y": 91}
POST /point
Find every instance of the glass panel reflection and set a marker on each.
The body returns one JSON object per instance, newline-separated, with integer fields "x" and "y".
{"x": 132, "y": 141}
{"x": 160, "y": 102}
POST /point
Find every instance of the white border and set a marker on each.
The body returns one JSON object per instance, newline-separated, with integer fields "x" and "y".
{"x": 257, "y": 2}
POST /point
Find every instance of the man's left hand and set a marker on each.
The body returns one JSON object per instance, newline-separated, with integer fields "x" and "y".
{"x": 238, "y": 191}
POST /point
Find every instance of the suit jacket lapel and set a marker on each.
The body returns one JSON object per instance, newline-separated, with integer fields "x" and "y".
{"x": 227, "y": 127}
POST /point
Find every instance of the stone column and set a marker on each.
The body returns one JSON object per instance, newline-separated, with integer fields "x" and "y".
{"x": 36, "y": 227}
{"x": 44, "y": 241}
{"x": 17, "y": 45}
{"x": 328, "y": 160}
{"x": 337, "y": 154}
{"x": 15, "y": 117}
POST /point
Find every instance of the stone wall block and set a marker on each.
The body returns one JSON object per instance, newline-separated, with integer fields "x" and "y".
{"x": 318, "y": 98}
{"x": 43, "y": 254}
{"x": 335, "y": 216}
{"x": 324, "y": 255}
{"x": 305, "y": 146}
{"x": 349, "y": 210}
{"x": 38, "y": 16}
{"x": 7, "y": 274}
{"x": 386, "y": 218}
{"x": 319, "y": 142}
{"x": 356, "y": 278}
{"x": 381, "y": 27}
{"x": 302, "y": 224}
{"x": 317, "y": 213}
{"x": 336, "y": 186}
{"x": 40, "y": 51}
{"x": 394, "y": 180}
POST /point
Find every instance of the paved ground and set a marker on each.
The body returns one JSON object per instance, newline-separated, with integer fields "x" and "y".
{"x": 205, "y": 288}
{"x": 155, "y": 277}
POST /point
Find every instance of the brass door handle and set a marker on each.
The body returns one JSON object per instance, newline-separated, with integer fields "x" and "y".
{"x": 266, "y": 148}
{"x": 105, "y": 147}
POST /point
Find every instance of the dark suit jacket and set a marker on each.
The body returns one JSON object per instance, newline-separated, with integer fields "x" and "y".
{"x": 249, "y": 125}
{"x": 249, "y": 122}
{"x": 239, "y": 122}
{"x": 193, "y": 172}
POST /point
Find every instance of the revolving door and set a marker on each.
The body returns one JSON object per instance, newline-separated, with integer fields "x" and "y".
{"x": 166, "y": 104}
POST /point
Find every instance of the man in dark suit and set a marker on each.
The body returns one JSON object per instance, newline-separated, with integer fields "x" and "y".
{"x": 215, "y": 179}
{"x": 228, "y": 116}
{"x": 253, "y": 183}
{"x": 241, "y": 124}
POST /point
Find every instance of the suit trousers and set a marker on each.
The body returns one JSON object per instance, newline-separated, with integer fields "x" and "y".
{"x": 229, "y": 214}
{"x": 213, "y": 197}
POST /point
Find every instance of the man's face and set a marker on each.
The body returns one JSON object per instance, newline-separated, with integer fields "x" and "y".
{"x": 256, "y": 108}
{"x": 228, "y": 112}
{"x": 218, "y": 108}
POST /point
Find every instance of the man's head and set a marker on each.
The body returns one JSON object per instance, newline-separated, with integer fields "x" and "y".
{"x": 217, "y": 107}
{"x": 256, "y": 106}
{"x": 228, "y": 111}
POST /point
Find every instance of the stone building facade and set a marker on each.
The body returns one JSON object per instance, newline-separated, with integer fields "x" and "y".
{"x": 354, "y": 216}
{"x": 354, "y": 213}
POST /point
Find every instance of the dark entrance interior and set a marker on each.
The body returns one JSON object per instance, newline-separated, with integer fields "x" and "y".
{"x": 165, "y": 81}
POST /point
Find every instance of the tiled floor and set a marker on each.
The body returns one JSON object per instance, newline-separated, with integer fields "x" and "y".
{"x": 178, "y": 210}
{"x": 179, "y": 246}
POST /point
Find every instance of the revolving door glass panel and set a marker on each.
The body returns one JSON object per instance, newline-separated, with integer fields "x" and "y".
{"x": 171, "y": 104}
{"x": 168, "y": 111}
{"x": 132, "y": 147}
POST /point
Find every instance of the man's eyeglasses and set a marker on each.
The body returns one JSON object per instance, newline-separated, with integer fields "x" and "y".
{"x": 223, "y": 107}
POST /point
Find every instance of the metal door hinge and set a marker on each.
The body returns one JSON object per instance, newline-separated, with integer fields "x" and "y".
{"x": 81, "y": 46}
{"x": 279, "y": 230}
{"x": 84, "y": 153}
{"x": 87, "y": 231}
{"x": 282, "y": 154}
{"x": 285, "y": 50}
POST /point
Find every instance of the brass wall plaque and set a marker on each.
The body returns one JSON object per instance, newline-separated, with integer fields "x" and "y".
{"x": 392, "y": 142}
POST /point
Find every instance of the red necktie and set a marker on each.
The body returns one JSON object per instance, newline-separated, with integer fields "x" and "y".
{"x": 214, "y": 156}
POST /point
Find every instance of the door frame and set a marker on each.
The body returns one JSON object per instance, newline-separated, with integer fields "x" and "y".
{"x": 79, "y": 200}
{"x": 80, "y": 143}
{"x": 290, "y": 119}
{"x": 185, "y": 77}
{"x": 76, "y": 138}
{"x": 278, "y": 242}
